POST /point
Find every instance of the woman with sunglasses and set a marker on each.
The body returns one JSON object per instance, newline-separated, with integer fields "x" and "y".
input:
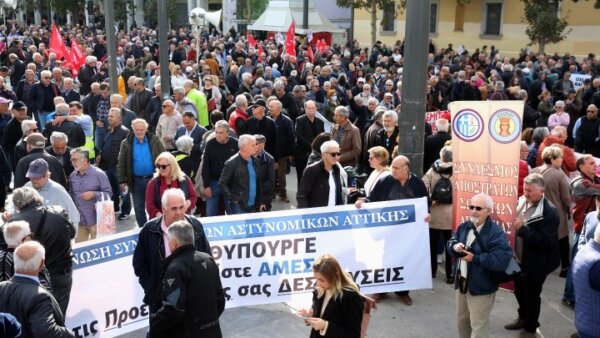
{"x": 168, "y": 175}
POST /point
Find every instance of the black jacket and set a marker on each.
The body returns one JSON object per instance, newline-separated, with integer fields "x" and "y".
{"x": 540, "y": 243}
{"x": 55, "y": 237}
{"x": 71, "y": 96}
{"x": 73, "y": 131}
{"x": 344, "y": 315}
{"x": 42, "y": 97}
{"x": 530, "y": 117}
{"x": 149, "y": 254}
{"x": 214, "y": 158}
{"x": 313, "y": 190}
{"x": 234, "y": 182}
{"x": 266, "y": 127}
{"x": 12, "y": 135}
{"x": 433, "y": 145}
{"x": 194, "y": 277}
{"x": 140, "y": 101}
{"x": 67, "y": 165}
{"x": 34, "y": 307}
{"x": 305, "y": 135}
{"x": 87, "y": 76}
{"x": 389, "y": 189}
{"x": 286, "y": 138}
{"x": 110, "y": 160}
{"x": 57, "y": 173}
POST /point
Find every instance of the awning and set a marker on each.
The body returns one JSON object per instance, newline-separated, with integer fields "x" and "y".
{"x": 278, "y": 17}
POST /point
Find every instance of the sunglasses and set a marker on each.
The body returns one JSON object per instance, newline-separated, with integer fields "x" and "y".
{"x": 166, "y": 105}
{"x": 335, "y": 154}
{"x": 163, "y": 166}
{"x": 591, "y": 111}
{"x": 478, "y": 208}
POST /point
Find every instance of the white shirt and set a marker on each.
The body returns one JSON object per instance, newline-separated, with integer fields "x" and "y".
{"x": 331, "y": 199}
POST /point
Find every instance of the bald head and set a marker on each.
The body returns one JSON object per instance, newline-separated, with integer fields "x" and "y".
{"x": 29, "y": 258}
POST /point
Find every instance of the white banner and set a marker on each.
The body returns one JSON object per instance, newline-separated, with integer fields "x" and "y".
{"x": 578, "y": 79}
{"x": 264, "y": 258}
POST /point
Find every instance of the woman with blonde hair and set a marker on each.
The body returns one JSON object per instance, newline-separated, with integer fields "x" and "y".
{"x": 337, "y": 307}
{"x": 177, "y": 77}
{"x": 168, "y": 175}
{"x": 378, "y": 160}
{"x": 212, "y": 92}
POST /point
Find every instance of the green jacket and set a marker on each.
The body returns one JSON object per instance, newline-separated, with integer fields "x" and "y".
{"x": 125, "y": 166}
{"x": 199, "y": 99}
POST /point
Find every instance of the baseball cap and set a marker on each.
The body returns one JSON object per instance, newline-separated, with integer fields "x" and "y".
{"x": 259, "y": 103}
{"x": 361, "y": 79}
{"x": 19, "y": 105}
{"x": 3, "y": 100}
{"x": 37, "y": 168}
{"x": 36, "y": 139}
{"x": 268, "y": 85}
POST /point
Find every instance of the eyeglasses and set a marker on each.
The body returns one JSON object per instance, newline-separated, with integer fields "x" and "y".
{"x": 166, "y": 105}
{"x": 335, "y": 154}
{"x": 30, "y": 235}
{"x": 208, "y": 80}
{"x": 46, "y": 78}
{"x": 591, "y": 111}
{"x": 163, "y": 166}
{"x": 478, "y": 208}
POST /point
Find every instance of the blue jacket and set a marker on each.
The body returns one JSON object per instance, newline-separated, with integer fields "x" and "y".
{"x": 149, "y": 254}
{"x": 586, "y": 267}
{"x": 497, "y": 257}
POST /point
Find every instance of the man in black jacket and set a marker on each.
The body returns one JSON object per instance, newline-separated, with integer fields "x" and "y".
{"x": 240, "y": 182}
{"x": 260, "y": 123}
{"x": 50, "y": 225}
{"x": 13, "y": 132}
{"x": 435, "y": 143}
{"x": 321, "y": 184}
{"x": 73, "y": 131}
{"x": 88, "y": 74}
{"x": 217, "y": 151}
{"x": 35, "y": 146}
{"x": 141, "y": 98}
{"x": 151, "y": 249}
{"x": 536, "y": 249}
{"x": 42, "y": 95}
{"x": 191, "y": 296}
{"x": 108, "y": 158}
{"x": 308, "y": 126}
{"x": 284, "y": 149}
{"x": 31, "y": 304}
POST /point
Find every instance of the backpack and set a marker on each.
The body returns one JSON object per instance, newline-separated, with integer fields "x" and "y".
{"x": 442, "y": 190}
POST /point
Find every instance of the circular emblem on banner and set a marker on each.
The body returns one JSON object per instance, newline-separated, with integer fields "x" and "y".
{"x": 505, "y": 126}
{"x": 467, "y": 125}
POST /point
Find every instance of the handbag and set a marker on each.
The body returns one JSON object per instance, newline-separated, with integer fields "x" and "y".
{"x": 105, "y": 217}
{"x": 498, "y": 277}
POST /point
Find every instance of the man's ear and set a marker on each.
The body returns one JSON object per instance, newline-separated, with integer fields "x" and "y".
{"x": 187, "y": 204}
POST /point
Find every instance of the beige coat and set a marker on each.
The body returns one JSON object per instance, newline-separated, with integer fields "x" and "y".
{"x": 350, "y": 144}
{"x": 441, "y": 214}
{"x": 557, "y": 191}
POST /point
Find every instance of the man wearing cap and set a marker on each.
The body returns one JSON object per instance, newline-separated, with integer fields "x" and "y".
{"x": 261, "y": 124}
{"x": 35, "y": 147}
{"x": 52, "y": 192}
{"x": 359, "y": 86}
{"x": 13, "y": 131}
{"x": 74, "y": 131}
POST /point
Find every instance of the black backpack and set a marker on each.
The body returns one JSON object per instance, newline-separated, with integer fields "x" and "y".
{"x": 442, "y": 190}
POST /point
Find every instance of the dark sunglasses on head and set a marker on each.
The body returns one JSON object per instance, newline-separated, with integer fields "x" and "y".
{"x": 478, "y": 208}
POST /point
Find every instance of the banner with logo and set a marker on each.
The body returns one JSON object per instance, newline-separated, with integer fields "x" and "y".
{"x": 486, "y": 138}
{"x": 264, "y": 258}
{"x": 578, "y": 79}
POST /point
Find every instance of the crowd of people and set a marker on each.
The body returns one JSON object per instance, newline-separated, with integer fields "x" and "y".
{"x": 238, "y": 118}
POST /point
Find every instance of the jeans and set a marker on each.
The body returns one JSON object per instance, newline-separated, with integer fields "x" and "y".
{"x": 99, "y": 134}
{"x": 113, "y": 179}
{"x": 233, "y": 208}
{"x": 139, "y": 198}
{"x": 212, "y": 203}
{"x": 569, "y": 292}
{"x": 62, "y": 281}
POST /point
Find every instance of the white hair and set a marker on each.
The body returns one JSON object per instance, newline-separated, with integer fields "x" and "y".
{"x": 58, "y": 136}
{"x": 172, "y": 192}
{"x": 391, "y": 113}
{"x": 442, "y": 125}
{"x": 245, "y": 139}
{"x": 29, "y": 264}
{"x": 328, "y": 144}
{"x": 14, "y": 232}
{"x": 184, "y": 144}
{"x": 26, "y": 124}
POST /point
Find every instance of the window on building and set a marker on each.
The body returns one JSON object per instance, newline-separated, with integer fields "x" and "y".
{"x": 492, "y": 18}
{"x": 433, "y": 18}
{"x": 388, "y": 19}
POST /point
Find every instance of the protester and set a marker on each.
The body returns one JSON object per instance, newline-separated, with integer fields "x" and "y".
{"x": 321, "y": 184}
{"x": 586, "y": 277}
{"x": 35, "y": 147}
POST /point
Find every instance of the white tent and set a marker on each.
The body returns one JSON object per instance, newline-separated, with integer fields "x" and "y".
{"x": 278, "y": 17}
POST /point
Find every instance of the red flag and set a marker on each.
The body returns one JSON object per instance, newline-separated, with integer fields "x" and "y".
{"x": 251, "y": 40}
{"x": 76, "y": 57}
{"x": 57, "y": 45}
{"x": 260, "y": 49}
{"x": 290, "y": 40}
{"x": 321, "y": 46}
{"x": 311, "y": 56}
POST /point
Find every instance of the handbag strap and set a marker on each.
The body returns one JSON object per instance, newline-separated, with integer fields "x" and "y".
{"x": 478, "y": 238}
{"x": 41, "y": 224}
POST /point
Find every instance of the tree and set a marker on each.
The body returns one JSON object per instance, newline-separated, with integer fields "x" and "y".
{"x": 372, "y": 7}
{"x": 545, "y": 25}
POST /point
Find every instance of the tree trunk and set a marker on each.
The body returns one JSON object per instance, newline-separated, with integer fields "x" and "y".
{"x": 373, "y": 23}
{"x": 542, "y": 45}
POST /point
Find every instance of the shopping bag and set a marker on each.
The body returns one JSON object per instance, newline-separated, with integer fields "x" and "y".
{"x": 105, "y": 217}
